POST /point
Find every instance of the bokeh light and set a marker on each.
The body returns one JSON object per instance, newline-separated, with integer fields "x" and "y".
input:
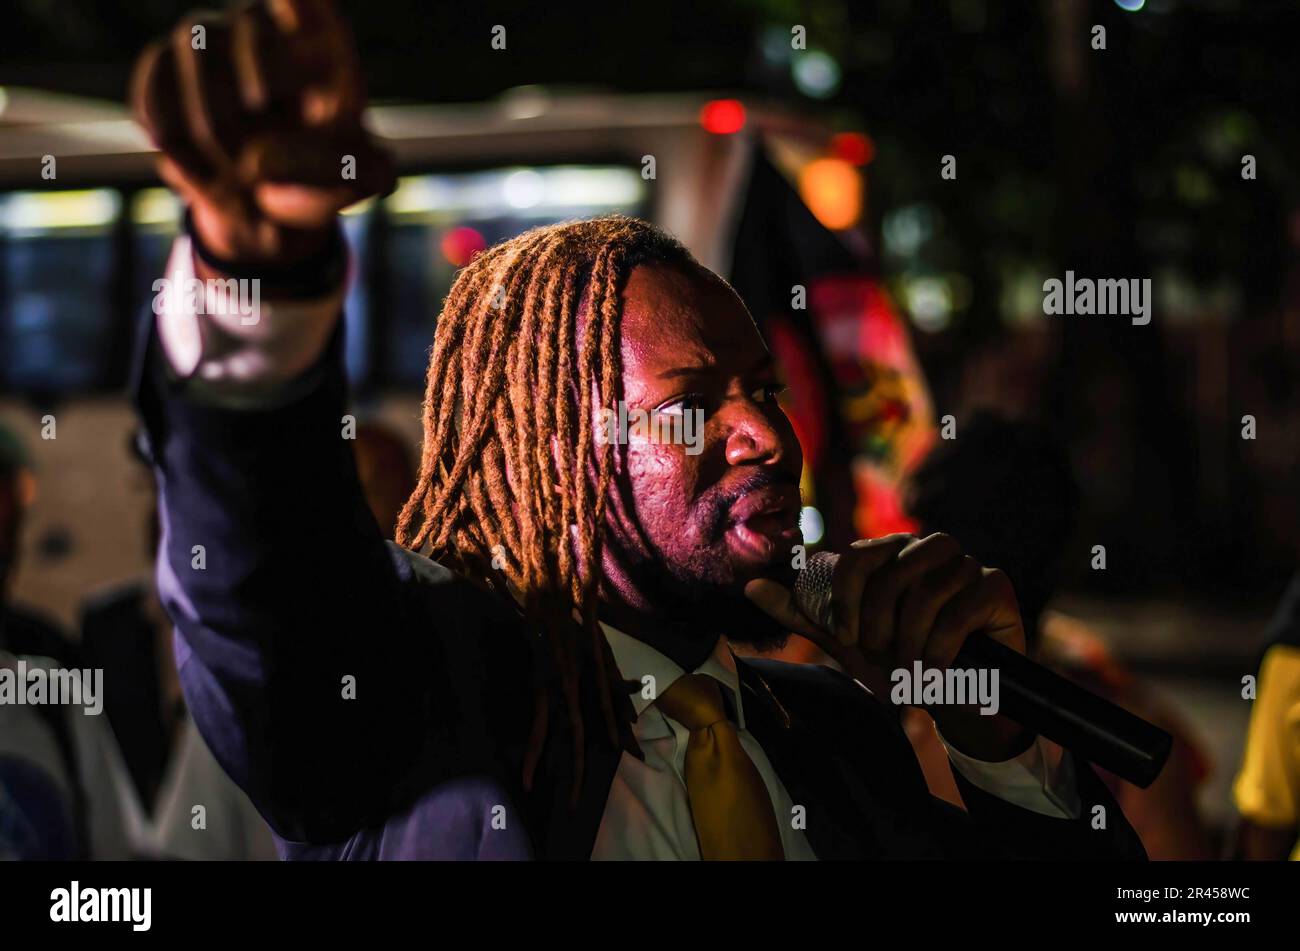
{"x": 460, "y": 244}
{"x": 723, "y": 116}
{"x": 832, "y": 190}
{"x": 816, "y": 74}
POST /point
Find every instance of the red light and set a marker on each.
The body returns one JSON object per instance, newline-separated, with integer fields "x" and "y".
{"x": 723, "y": 116}
{"x": 459, "y": 245}
{"x": 855, "y": 148}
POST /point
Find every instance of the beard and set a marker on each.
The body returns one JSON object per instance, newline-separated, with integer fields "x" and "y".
{"x": 709, "y": 563}
{"x": 700, "y": 586}
{"x": 696, "y": 607}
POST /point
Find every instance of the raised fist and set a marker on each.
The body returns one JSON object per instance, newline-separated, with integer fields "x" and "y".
{"x": 257, "y": 114}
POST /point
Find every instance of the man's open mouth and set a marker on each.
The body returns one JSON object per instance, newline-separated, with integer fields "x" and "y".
{"x": 764, "y": 524}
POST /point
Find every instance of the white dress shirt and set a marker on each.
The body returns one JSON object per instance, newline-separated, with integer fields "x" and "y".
{"x": 647, "y": 815}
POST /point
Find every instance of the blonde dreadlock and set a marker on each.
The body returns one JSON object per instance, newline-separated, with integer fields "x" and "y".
{"x": 511, "y": 473}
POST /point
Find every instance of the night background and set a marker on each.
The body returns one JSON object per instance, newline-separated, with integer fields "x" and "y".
{"x": 1123, "y": 162}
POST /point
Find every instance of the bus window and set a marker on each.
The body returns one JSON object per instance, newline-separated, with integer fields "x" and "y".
{"x": 357, "y": 224}
{"x": 438, "y": 222}
{"x": 56, "y": 268}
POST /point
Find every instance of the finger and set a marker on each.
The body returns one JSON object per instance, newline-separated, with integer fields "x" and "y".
{"x": 327, "y": 75}
{"x": 924, "y": 599}
{"x": 987, "y": 605}
{"x": 205, "y": 77}
{"x": 247, "y": 38}
{"x": 878, "y": 614}
{"x": 850, "y": 577}
{"x": 270, "y": 66}
{"x": 142, "y": 92}
{"x": 339, "y": 95}
{"x": 157, "y": 107}
{"x": 778, "y": 602}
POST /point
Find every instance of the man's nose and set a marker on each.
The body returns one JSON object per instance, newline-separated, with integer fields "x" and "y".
{"x": 752, "y": 438}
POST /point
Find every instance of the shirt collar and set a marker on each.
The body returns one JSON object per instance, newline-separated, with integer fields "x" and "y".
{"x": 637, "y": 659}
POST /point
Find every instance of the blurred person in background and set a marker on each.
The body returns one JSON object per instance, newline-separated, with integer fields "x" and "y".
{"x": 39, "y": 820}
{"x": 64, "y": 791}
{"x": 386, "y": 469}
{"x": 1006, "y": 490}
{"x": 22, "y": 631}
{"x": 61, "y": 776}
{"x": 126, "y": 633}
{"x": 1267, "y": 787}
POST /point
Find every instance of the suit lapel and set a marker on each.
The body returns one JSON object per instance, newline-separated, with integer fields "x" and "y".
{"x": 570, "y": 831}
{"x": 567, "y": 831}
{"x": 853, "y": 768}
{"x": 803, "y": 764}
{"x": 819, "y": 759}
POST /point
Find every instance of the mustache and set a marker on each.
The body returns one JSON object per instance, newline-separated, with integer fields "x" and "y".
{"x": 715, "y": 506}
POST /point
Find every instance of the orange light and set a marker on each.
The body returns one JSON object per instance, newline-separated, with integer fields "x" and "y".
{"x": 832, "y": 190}
{"x": 723, "y": 116}
{"x": 856, "y": 148}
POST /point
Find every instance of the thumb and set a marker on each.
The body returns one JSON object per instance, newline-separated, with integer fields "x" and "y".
{"x": 777, "y": 601}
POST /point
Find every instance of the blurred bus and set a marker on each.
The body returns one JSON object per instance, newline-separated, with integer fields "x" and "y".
{"x": 773, "y": 200}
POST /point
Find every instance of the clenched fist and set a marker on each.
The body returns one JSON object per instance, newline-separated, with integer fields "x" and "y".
{"x": 900, "y": 599}
{"x": 257, "y": 114}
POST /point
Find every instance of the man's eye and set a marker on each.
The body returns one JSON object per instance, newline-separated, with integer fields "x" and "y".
{"x": 682, "y": 404}
{"x": 769, "y": 393}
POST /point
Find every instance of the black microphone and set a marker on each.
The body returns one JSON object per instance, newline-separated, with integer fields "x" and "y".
{"x": 1030, "y": 694}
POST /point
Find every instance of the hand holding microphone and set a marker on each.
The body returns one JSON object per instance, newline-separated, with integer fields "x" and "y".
{"x": 899, "y": 599}
{"x": 891, "y": 601}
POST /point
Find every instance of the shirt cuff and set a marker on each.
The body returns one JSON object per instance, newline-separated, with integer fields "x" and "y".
{"x": 231, "y": 347}
{"x": 1041, "y": 779}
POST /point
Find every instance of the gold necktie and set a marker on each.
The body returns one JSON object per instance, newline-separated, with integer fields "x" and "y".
{"x": 730, "y": 807}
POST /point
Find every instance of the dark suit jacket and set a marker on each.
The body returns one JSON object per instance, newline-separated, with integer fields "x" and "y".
{"x": 282, "y": 588}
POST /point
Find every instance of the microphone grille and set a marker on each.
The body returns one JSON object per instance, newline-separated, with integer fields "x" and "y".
{"x": 812, "y": 588}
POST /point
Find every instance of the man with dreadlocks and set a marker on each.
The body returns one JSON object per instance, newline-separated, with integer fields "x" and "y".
{"x": 539, "y": 664}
